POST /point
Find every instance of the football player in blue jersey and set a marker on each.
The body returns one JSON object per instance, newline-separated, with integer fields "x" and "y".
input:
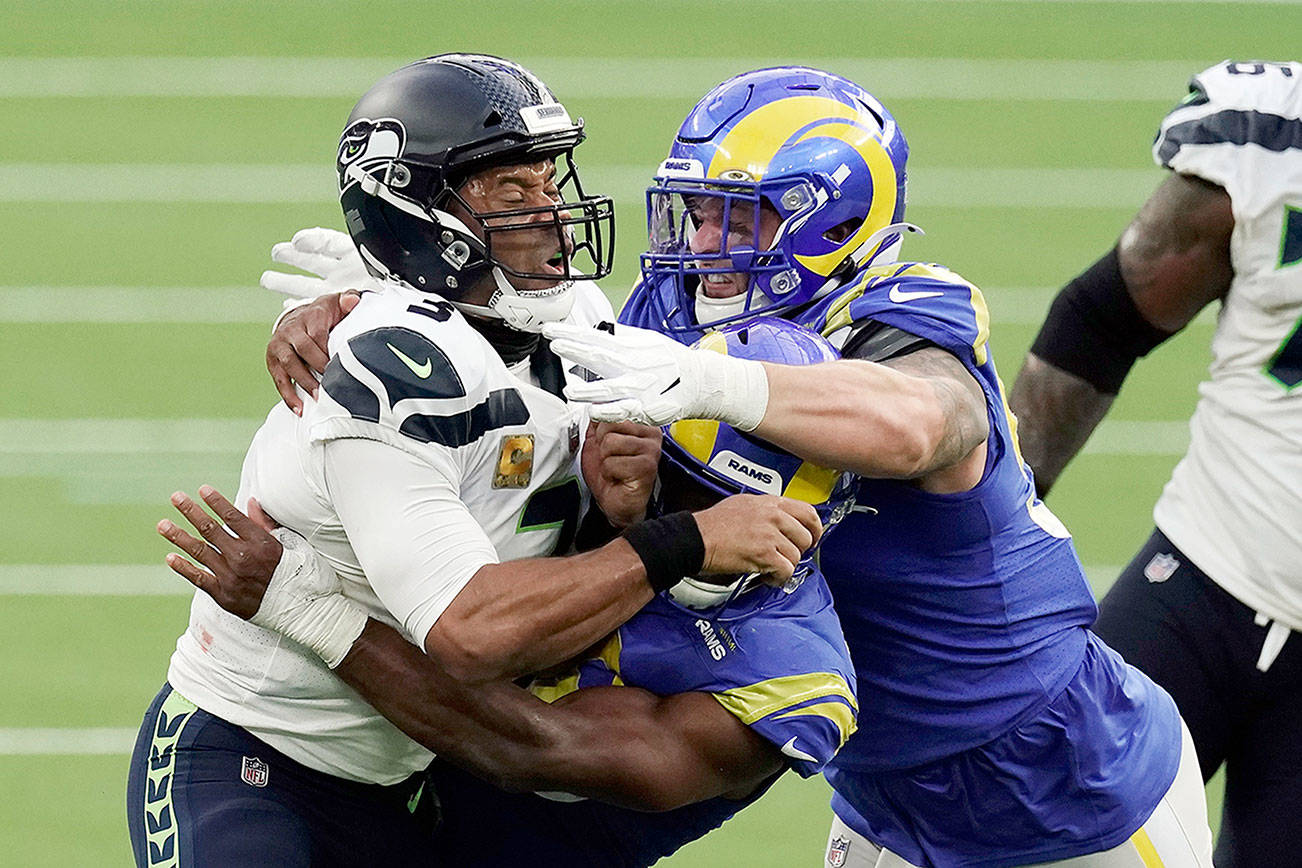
{"x": 437, "y": 472}
{"x": 1208, "y": 607}
{"x": 703, "y": 697}
{"x": 997, "y": 729}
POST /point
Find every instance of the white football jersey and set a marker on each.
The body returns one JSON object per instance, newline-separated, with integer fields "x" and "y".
{"x": 1234, "y": 503}
{"x": 466, "y": 462}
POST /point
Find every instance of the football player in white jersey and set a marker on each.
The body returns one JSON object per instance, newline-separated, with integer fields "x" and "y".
{"x": 1209, "y": 606}
{"x": 439, "y": 449}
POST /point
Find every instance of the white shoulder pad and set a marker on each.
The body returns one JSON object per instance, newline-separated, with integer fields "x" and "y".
{"x": 407, "y": 368}
{"x": 1232, "y": 106}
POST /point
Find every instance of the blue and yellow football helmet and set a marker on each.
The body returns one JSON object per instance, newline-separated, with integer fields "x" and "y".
{"x": 702, "y": 461}
{"x": 818, "y": 150}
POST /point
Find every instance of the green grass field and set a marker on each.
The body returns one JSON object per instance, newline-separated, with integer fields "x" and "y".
{"x": 156, "y": 150}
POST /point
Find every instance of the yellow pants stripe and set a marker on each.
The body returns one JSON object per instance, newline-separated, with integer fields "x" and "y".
{"x": 1147, "y": 852}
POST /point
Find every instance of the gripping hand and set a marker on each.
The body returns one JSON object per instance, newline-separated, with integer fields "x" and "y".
{"x": 328, "y": 254}
{"x": 654, "y": 380}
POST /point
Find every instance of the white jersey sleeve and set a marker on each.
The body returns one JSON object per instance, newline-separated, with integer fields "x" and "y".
{"x": 418, "y": 549}
{"x": 423, "y": 458}
{"x": 1233, "y": 502}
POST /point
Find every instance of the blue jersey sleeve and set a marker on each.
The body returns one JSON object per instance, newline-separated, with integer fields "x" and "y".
{"x": 776, "y": 661}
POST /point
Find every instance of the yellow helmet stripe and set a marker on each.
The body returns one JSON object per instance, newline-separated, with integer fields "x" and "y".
{"x": 812, "y": 484}
{"x": 750, "y": 145}
{"x": 884, "y": 192}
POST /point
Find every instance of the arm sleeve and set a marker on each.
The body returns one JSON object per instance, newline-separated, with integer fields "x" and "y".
{"x": 413, "y": 536}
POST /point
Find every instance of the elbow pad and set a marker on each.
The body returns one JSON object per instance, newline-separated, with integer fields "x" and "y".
{"x": 1094, "y": 330}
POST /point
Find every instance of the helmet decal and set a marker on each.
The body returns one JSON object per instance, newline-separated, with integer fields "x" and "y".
{"x": 369, "y": 145}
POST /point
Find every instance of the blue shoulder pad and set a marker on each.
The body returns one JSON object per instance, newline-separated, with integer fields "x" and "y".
{"x": 926, "y": 300}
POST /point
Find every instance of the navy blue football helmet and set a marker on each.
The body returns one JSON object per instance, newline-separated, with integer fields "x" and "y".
{"x": 421, "y": 131}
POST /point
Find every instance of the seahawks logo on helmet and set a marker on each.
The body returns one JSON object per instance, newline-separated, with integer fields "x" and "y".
{"x": 369, "y": 145}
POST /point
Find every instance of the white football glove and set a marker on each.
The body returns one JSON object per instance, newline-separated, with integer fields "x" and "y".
{"x": 654, "y": 380}
{"x": 326, "y": 253}
{"x": 305, "y": 602}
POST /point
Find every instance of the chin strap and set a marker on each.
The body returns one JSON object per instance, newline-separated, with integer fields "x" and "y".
{"x": 525, "y": 311}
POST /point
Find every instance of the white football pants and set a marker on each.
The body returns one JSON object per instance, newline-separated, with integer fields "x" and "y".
{"x": 1175, "y": 836}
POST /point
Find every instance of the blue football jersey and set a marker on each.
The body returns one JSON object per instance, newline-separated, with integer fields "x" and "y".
{"x": 966, "y": 615}
{"x": 966, "y": 611}
{"x": 776, "y": 660}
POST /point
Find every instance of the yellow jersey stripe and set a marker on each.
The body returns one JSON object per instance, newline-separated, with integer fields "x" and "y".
{"x": 552, "y": 689}
{"x": 838, "y": 712}
{"x": 755, "y": 701}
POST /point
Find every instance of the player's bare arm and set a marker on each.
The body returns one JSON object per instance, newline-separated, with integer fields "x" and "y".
{"x": 920, "y": 416}
{"x": 1171, "y": 262}
{"x": 520, "y": 617}
{"x": 621, "y": 745}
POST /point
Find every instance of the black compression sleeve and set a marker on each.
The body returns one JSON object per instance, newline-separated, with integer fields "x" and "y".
{"x": 670, "y": 548}
{"x": 1094, "y": 330}
{"x": 874, "y": 341}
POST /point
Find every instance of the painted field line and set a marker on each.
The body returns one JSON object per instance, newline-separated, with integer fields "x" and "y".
{"x": 246, "y": 184}
{"x": 61, "y": 741}
{"x": 92, "y": 580}
{"x": 105, "y": 436}
{"x": 207, "y": 305}
{"x": 578, "y": 78}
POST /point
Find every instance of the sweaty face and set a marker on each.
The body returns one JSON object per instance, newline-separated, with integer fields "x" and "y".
{"x": 539, "y": 249}
{"x": 707, "y": 213}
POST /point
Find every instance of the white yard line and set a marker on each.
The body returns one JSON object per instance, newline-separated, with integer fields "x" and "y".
{"x": 50, "y": 741}
{"x": 578, "y": 78}
{"x": 82, "y": 183}
{"x": 107, "y": 436}
{"x": 207, "y": 305}
{"x": 92, "y": 580}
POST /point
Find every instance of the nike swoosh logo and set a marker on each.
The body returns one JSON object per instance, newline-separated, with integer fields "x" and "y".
{"x": 414, "y": 802}
{"x": 794, "y": 752}
{"x": 899, "y": 296}
{"x": 422, "y": 371}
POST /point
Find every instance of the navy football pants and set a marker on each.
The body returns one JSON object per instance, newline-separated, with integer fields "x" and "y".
{"x": 204, "y": 792}
{"x": 1196, "y": 640}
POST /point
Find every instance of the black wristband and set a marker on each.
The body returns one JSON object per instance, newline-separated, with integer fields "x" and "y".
{"x": 1094, "y": 330}
{"x": 670, "y": 548}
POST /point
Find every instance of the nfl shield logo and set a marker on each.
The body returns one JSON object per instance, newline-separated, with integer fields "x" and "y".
{"x": 836, "y": 852}
{"x": 254, "y": 772}
{"x": 1161, "y": 568}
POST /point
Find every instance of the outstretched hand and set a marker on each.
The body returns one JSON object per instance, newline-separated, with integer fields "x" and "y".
{"x": 235, "y": 562}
